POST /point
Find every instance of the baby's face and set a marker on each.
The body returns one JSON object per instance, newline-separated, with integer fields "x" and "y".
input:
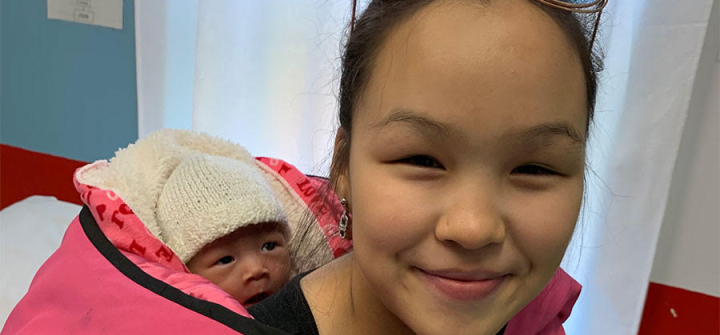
{"x": 250, "y": 263}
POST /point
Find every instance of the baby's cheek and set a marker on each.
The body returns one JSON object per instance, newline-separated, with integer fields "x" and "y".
{"x": 282, "y": 268}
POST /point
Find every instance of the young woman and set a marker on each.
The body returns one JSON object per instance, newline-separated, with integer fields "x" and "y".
{"x": 460, "y": 157}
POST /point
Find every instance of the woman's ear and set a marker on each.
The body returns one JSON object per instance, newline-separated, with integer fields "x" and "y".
{"x": 339, "y": 168}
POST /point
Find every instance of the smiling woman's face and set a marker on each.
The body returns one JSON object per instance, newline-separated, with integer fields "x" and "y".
{"x": 465, "y": 175}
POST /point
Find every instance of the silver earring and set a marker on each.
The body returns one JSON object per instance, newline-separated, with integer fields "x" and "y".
{"x": 344, "y": 220}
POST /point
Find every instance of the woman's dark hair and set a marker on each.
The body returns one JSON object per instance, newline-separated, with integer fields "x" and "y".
{"x": 381, "y": 16}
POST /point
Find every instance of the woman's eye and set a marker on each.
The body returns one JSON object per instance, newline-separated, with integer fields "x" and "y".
{"x": 422, "y": 161}
{"x": 269, "y": 246}
{"x": 225, "y": 260}
{"x": 533, "y": 170}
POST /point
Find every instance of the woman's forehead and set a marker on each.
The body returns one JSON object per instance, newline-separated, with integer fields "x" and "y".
{"x": 507, "y": 63}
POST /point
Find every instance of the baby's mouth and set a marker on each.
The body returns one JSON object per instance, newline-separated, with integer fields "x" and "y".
{"x": 256, "y": 298}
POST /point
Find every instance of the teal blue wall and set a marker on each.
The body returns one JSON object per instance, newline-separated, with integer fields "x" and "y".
{"x": 66, "y": 89}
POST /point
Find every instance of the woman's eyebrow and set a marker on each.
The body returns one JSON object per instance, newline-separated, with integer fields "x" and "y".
{"x": 552, "y": 129}
{"x": 431, "y": 128}
{"x": 418, "y": 121}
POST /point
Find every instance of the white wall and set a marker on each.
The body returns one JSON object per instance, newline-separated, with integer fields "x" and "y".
{"x": 688, "y": 251}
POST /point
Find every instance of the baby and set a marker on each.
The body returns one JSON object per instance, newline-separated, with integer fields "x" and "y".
{"x": 221, "y": 217}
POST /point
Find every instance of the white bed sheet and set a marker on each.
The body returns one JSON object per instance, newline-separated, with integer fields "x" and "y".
{"x": 30, "y": 231}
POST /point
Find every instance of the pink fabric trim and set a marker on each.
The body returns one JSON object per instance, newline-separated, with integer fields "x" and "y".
{"x": 545, "y": 314}
{"x": 194, "y": 285}
{"x": 307, "y": 188}
{"x": 125, "y": 230}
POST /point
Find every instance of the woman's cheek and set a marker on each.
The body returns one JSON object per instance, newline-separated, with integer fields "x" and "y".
{"x": 542, "y": 223}
{"x": 390, "y": 209}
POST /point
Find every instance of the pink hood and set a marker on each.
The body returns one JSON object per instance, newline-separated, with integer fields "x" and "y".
{"x": 112, "y": 274}
{"x": 546, "y": 313}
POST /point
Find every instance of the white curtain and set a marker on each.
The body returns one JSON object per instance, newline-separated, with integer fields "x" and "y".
{"x": 265, "y": 74}
{"x": 652, "y": 52}
{"x": 261, "y": 73}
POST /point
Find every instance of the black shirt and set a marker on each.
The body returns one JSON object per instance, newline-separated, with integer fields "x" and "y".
{"x": 288, "y": 310}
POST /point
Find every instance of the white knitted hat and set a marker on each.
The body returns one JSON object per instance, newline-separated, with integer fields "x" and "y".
{"x": 207, "y": 197}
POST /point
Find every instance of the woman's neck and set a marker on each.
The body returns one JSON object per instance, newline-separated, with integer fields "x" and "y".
{"x": 342, "y": 302}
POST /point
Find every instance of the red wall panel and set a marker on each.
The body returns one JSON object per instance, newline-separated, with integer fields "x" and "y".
{"x": 671, "y": 310}
{"x": 24, "y": 173}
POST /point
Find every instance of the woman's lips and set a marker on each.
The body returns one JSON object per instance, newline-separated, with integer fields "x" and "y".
{"x": 463, "y": 286}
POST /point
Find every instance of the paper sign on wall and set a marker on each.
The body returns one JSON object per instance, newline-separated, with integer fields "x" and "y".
{"x": 106, "y": 13}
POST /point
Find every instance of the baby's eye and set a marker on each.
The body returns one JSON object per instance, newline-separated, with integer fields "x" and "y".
{"x": 225, "y": 260}
{"x": 533, "y": 170}
{"x": 422, "y": 161}
{"x": 269, "y": 246}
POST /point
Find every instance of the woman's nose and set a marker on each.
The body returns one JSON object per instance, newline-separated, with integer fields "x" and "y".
{"x": 472, "y": 222}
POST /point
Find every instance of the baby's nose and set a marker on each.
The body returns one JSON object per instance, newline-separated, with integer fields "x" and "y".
{"x": 255, "y": 271}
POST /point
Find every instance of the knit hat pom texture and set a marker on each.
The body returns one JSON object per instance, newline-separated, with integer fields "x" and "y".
{"x": 207, "y": 197}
